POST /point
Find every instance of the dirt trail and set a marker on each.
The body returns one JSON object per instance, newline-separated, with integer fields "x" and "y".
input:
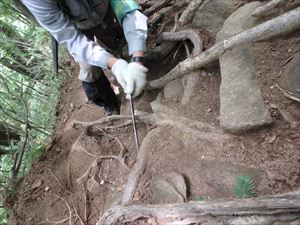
{"x": 68, "y": 184}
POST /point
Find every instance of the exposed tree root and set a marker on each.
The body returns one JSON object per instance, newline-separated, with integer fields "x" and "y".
{"x": 157, "y": 6}
{"x": 120, "y": 158}
{"x": 288, "y": 94}
{"x": 260, "y": 11}
{"x": 137, "y": 172}
{"x": 183, "y": 35}
{"x": 105, "y": 120}
{"x": 63, "y": 220}
{"x": 196, "y": 129}
{"x": 199, "y": 129}
{"x": 285, "y": 23}
{"x": 189, "y": 11}
{"x": 259, "y": 211}
{"x": 161, "y": 51}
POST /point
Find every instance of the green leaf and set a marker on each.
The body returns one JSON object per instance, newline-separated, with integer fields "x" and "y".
{"x": 202, "y": 198}
{"x": 244, "y": 187}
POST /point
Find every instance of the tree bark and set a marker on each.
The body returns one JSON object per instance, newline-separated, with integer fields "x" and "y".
{"x": 7, "y": 134}
{"x": 283, "y": 209}
{"x": 15, "y": 50}
{"x": 260, "y": 11}
{"x": 189, "y": 11}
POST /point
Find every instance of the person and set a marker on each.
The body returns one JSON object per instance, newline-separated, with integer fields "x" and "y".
{"x": 75, "y": 24}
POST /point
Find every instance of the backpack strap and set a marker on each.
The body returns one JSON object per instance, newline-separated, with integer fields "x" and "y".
{"x": 85, "y": 14}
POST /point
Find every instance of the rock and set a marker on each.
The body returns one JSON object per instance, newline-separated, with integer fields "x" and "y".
{"x": 191, "y": 81}
{"x": 241, "y": 104}
{"x": 221, "y": 176}
{"x": 158, "y": 107}
{"x": 173, "y": 90}
{"x": 168, "y": 188}
{"x": 290, "y": 79}
{"x": 116, "y": 199}
{"x": 211, "y": 14}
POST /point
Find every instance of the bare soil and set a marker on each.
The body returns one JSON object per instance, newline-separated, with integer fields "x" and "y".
{"x": 271, "y": 155}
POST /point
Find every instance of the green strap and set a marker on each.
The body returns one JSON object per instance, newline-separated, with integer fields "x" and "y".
{"x": 122, "y": 7}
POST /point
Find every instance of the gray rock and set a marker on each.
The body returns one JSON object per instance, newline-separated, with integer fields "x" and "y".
{"x": 241, "y": 104}
{"x": 173, "y": 90}
{"x": 239, "y": 21}
{"x": 211, "y": 14}
{"x": 290, "y": 79}
{"x": 168, "y": 188}
{"x": 221, "y": 176}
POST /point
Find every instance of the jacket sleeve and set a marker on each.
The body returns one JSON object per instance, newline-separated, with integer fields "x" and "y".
{"x": 135, "y": 31}
{"x": 54, "y": 20}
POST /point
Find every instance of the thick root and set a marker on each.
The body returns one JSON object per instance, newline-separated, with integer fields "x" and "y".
{"x": 182, "y": 36}
{"x": 261, "y": 11}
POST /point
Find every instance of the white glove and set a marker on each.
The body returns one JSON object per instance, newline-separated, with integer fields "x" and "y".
{"x": 135, "y": 78}
{"x": 119, "y": 70}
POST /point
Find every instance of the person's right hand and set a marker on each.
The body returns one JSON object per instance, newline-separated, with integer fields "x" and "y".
{"x": 119, "y": 70}
{"x": 135, "y": 79}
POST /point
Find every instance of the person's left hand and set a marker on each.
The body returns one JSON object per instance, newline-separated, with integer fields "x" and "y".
{"x": 135, "y": 78}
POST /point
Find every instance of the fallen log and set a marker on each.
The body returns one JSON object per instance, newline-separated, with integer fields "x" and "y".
{"x": 273, "y": 209}
{"x": 282, "y": 24}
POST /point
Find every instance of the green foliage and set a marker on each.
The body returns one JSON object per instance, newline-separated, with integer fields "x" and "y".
{"x": 244, "y": 187}
{"x": 202, "y": 198}
{"x": 2, "y": 216}
{"x": 29, "y": 92}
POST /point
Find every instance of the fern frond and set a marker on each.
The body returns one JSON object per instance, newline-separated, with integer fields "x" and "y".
{"x": 244, "y": 187}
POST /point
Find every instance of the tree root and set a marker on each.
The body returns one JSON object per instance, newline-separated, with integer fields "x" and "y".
{"x": 196, "y": 129}
{"x": 287, "y": 93}
{"x": 63, "y": 220}
{"x": 184, "y": 35}
{"x": 137, "y": 172}
{"x": 260, "y": 11}
{"x": 161, "y": 51}
{"x": 201, "y": 130}
{"x": 105, "y": 120}
{"x": 259, "y": 211}
{"x": 189, "y": 11}
{"x": 157, "y": 6}
{"x": 288, "y": 22}
{"x": 120, "y": 158}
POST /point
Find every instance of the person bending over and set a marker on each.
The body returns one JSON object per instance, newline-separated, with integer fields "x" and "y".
{"x": 76, "y": 23}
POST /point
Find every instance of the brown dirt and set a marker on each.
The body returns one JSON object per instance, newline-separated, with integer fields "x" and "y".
{"x": 271, "y": 154}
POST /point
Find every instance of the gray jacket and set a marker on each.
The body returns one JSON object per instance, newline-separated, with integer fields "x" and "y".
{"x": 54, "y": 20}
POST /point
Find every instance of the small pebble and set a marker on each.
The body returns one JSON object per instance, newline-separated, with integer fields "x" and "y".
{"x": 47, "y": 188}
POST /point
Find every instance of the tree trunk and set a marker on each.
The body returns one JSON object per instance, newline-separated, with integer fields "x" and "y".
{"x": 14, "y": 49}
{"x": 277, "y": 209}
{"x": 7, "y": 134}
